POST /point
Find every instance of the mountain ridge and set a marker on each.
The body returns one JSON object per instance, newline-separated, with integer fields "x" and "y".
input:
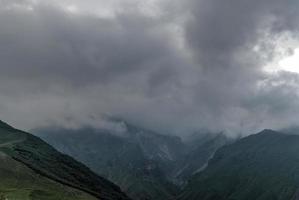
{"x": 46, "y": 161}
{"x": 262, "y": 166}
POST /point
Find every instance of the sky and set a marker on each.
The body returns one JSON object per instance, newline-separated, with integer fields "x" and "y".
{"x": 174, "y": 66}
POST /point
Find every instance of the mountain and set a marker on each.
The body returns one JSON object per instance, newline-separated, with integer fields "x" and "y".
{"x": 137, "y": 161}
{"x": 147, "y": 165}
{"x": 33, "y": 170}
{"x": 264, "y": 166}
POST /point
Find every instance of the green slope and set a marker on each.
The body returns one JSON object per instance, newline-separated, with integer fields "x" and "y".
{"x": 28, "y": 156}
{"x": 264, "y": 166}
{"x": 18, "y": 182}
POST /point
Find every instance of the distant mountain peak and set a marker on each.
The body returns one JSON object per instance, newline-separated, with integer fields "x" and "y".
{"x": 268, "y": 131}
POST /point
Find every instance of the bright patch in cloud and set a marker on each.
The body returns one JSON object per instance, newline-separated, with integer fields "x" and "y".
{"x": 291, "y": 63}
{"x": 72, "y": 9}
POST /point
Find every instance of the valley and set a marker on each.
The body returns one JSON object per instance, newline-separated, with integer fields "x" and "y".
{"x": 145, "y": 164}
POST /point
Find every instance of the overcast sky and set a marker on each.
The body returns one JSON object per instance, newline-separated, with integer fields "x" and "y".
{"x": 175, "y": 66}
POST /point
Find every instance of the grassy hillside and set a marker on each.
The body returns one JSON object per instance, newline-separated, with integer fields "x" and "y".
{"x": 18, "y": 182}
{"x": 30, "y": 156}
{"x": 264, "y": 166}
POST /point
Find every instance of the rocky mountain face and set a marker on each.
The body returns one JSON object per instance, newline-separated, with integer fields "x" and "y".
{"x": 33, "y": 170}
{"x": 199, "y": 151}
{"x": 145, "y": 164}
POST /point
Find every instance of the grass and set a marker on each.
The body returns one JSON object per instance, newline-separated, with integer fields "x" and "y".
{"x": 31, "y": 169}
{"x": 21, "y": 183}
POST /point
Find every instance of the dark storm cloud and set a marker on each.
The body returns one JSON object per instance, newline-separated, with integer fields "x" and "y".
{"x": 79, "y": 49}
{"x": 80, "y": 63}
{"x": 189, "y": 66}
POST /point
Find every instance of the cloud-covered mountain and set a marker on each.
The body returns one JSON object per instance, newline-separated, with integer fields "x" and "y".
{"x": 147, "y": 165}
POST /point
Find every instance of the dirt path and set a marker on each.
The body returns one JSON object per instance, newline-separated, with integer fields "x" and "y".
{"x": 11, "y": 143}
